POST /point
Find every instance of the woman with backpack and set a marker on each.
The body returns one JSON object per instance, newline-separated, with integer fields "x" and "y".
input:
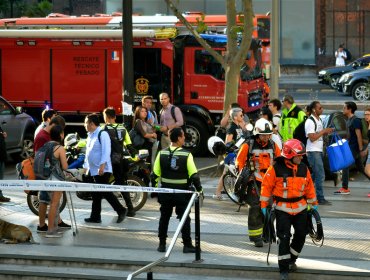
{"x": 141, "y": 125}
{"x": 58, "y": 163}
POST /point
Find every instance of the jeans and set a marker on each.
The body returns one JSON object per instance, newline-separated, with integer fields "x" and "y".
{"x": 315, "y": 159}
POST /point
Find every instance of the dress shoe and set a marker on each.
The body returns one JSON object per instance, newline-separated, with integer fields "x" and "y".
{"x": 4, "y": 199}
{"x": 324, "y": 202}
{"x": 89, "y": 220}
{"x": 121, "y": 216}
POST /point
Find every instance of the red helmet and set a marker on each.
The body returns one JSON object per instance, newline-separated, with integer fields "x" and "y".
{"x": 292, "y": 148}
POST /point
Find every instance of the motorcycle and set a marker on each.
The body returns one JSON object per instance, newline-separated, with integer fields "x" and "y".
{"x": 138, "y": 175}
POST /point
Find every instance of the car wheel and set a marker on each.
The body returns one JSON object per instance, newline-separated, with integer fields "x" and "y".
{"x": 334, "y": 81}
{"x": 361, "y": 92}
{"x": 27, "y": 148}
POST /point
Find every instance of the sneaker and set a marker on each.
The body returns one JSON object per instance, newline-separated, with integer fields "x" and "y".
{"x": 53, "y": 234}
{"x": 368, "y": 195}
{"x": 64, "y": 225}
{"x": 324, "y": 202}
{"x": 342, "y": 191}
{"x": 44, "y": 228}
{"x": 4, "y": 199}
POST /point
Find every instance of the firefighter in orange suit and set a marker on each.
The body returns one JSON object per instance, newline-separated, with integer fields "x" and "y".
{"x": 257, "y": 155}
{"x": 290, "y": 185}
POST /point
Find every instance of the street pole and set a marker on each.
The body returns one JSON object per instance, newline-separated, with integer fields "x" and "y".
{"x": 275, "y": 49}
{"x": 128, "y": 63}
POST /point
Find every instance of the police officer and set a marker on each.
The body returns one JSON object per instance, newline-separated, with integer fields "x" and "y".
{"x": 175, "y": 168}
{"x": 290, "y": 184}
{"x": 257, "y": 155}
{"x": 120, "y": 170}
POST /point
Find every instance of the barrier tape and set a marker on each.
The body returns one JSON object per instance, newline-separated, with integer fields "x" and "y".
{"x": 46, "y": 185}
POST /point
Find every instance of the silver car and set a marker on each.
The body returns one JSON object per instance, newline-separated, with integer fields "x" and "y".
{"x": 19, "y": 128}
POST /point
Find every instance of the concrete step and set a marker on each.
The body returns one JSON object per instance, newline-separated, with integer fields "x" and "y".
{"x": 47, "y": 266}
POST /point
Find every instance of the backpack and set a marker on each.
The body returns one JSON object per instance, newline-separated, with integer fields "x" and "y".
{"x": 25, "y": 169}
{"x": 43, "y": 163}
{"x": 116, "y": 142}
{"x": 300, "y": 132}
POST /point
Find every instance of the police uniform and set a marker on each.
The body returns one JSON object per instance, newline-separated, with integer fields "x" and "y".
{"x": 176, "y": 169}
{"x": 120, "y": 170}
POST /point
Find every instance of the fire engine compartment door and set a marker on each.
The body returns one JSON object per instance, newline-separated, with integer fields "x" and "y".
{"x": 78, "y": 79}
{"x": 25, "y": 75}
{"x": 203, "y": 79}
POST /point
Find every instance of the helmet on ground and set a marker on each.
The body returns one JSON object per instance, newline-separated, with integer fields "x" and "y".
{"x": 263, "y": 127}
{"x": 292, "y": 148}
{"x": 71, "y": 139}
{"x": 216, "y": 146}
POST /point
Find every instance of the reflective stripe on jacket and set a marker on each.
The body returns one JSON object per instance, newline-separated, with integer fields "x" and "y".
{"x": 297, "y": 186}
{"x": 262, "y": 156}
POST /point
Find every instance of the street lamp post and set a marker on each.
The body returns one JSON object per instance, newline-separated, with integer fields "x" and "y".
{"x": 128, "y": 62}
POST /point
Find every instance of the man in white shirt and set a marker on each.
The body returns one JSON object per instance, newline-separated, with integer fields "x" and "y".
{"x": 340, "y": 56}
{"x": 315, "y": 145}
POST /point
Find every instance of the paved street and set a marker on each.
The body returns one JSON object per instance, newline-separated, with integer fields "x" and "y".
{"x": 224, "y": 240}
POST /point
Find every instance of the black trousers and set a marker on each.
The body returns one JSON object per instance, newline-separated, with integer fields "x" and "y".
{"x": 168, "y": 202}
{"x": 255, "y": 216}
{"x": 120, "y": 178}
{"x": 109, "y": 196}
{"x": 289, "y": 251}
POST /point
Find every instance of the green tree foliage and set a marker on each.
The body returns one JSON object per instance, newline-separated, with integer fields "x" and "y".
{"x": 41, "y": 9}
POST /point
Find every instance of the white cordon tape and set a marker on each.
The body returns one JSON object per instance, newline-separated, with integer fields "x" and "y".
{"x": 45, "y": 185}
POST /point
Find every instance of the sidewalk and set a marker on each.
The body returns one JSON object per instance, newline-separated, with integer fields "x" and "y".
{"x": 224, "y": 242}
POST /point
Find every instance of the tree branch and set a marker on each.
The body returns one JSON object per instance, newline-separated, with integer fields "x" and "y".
{"x": 196, "y": 35}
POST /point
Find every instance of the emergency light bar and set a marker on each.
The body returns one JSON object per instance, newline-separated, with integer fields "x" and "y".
{"x": 73, "y": 34}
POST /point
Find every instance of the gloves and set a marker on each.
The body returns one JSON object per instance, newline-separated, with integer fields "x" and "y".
{"x": 310, "y": 206}
{"x": 264, "y": 211}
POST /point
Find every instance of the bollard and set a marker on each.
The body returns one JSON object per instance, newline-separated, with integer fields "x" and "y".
{"x": 197, "y": 230}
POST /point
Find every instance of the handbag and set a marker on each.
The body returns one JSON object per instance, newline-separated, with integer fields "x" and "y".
{"x": 136, "y": 138}
{"x": 339, "y": 154}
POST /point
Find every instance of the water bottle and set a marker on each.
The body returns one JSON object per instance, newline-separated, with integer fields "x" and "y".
{"x": 157, "y": 127}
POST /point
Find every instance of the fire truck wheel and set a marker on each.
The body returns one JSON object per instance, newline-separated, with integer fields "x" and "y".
{"x": 196, "y": 136}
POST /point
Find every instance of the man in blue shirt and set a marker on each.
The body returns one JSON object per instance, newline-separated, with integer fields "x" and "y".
{"x": 99, "y": 168}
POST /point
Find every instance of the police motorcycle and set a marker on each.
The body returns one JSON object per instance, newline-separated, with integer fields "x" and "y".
{"x": 138, "y": 175}
{"x": 232, "y": 186}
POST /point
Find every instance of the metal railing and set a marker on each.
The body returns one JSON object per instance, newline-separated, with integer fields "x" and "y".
{"x": 148, "y": 267}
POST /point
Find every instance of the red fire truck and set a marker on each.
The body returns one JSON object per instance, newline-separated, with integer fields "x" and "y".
{"x": 80, "y": 71}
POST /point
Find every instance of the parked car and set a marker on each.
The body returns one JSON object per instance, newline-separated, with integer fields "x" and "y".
{"x": 356, "y": 83}
{"x": 331, "y": 75}
{"x": 19, "y": 127}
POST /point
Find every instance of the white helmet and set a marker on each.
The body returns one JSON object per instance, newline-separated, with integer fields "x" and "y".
{"x": 71, "y": 139}
{"x": 262, "y": 126}
{"x": 216, "y": 146}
